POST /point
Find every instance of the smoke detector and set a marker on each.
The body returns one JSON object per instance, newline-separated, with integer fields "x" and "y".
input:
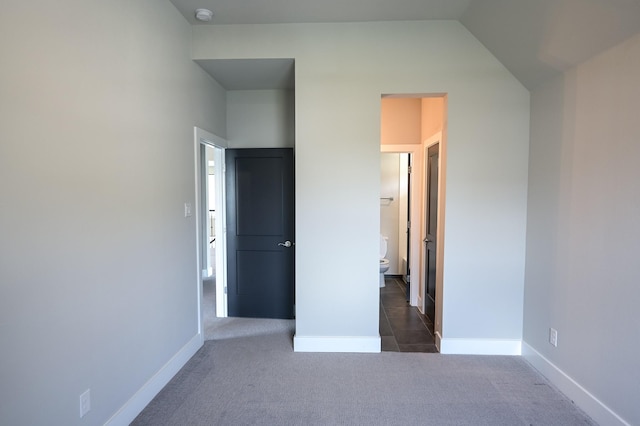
{"x": 204, "y": 15}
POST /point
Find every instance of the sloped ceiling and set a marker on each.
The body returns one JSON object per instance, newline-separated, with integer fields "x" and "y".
{"x": 534, "y": 39}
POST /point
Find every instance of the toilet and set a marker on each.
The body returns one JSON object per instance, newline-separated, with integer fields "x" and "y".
{"x": 384, "y": 263}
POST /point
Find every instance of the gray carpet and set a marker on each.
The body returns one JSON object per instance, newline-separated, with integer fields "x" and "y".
{"x": 257, "y": 379}
{"x": 208, "y": 307}
{"x": 225, "y": 328}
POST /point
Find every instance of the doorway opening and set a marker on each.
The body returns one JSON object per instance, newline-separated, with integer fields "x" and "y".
{"x": 209, "y": 151}
{"x": 410, "y": 125}
{"x": 395, "y": 214}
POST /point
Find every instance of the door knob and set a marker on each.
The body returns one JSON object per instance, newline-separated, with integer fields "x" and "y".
{"x": 285, "y": 244}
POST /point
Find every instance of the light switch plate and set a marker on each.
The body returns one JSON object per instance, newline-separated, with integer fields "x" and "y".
{"x": 85, "y": 402}
{"x": 553, "y": 336}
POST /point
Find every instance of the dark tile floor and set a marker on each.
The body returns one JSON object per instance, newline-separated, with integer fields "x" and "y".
{"x": 402, "y": 327}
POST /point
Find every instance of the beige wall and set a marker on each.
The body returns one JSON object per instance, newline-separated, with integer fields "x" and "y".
{"x": 410, "y": 120}
{"x": 432, "y": 116}
{"x": 400, "y": 122}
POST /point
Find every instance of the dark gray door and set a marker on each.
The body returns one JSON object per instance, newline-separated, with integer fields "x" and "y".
{"x": 260, "y": 232}
{"x": 410, "y": 163}
{"x": 430, "y": 241}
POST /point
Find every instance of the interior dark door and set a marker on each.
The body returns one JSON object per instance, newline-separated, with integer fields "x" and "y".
{"x": 431, "y": 226}
{"x": 260, "y": 232}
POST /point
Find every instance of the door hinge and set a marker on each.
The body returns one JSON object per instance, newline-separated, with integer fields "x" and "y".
{"x": 410, "y": 169}
{"x": 408, "y": 224}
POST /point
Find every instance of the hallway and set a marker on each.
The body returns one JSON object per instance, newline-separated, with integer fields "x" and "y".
{"x": 402, "y": 327}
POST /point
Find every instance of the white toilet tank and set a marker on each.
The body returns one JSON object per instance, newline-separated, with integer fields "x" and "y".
{"x": 383, "y": 246}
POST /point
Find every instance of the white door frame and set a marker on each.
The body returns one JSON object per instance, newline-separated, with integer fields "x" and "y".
{"x": 202, "y": 138}
{"x": 416, "y": 201}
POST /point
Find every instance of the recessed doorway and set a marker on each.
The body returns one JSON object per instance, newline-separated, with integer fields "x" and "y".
{"x": 411, "y": 123}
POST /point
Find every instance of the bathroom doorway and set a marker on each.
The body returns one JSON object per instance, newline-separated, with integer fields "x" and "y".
{"x": 401, "y": 179}
{"x": 395, "y": 221}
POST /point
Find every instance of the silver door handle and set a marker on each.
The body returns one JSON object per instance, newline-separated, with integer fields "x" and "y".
{"x": 426, "y": 240}
{"x": 285, "y": 244}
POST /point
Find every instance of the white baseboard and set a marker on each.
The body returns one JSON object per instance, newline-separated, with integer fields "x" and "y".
{"x": 134, "y": 406}
{"x": 438, "y": 341}
{"x": 336, "y": 344}
{"x": 591, "y": 405}
{"x": 481, "y": 346}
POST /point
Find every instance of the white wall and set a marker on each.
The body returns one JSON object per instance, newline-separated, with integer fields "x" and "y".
{"x": 583, "y": 234}
{"x": 341, "y": 72}
{"x": 97, "y": 262}
{"x": 261, "y": 118}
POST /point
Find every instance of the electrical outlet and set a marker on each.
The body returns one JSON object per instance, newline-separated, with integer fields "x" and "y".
{"x": 85, "y": 402}
{"x": 187, "y": 209}
{"x": 553, "y": 336}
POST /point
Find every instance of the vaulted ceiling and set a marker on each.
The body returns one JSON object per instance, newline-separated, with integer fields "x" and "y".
{"x": 534, "y": 39}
